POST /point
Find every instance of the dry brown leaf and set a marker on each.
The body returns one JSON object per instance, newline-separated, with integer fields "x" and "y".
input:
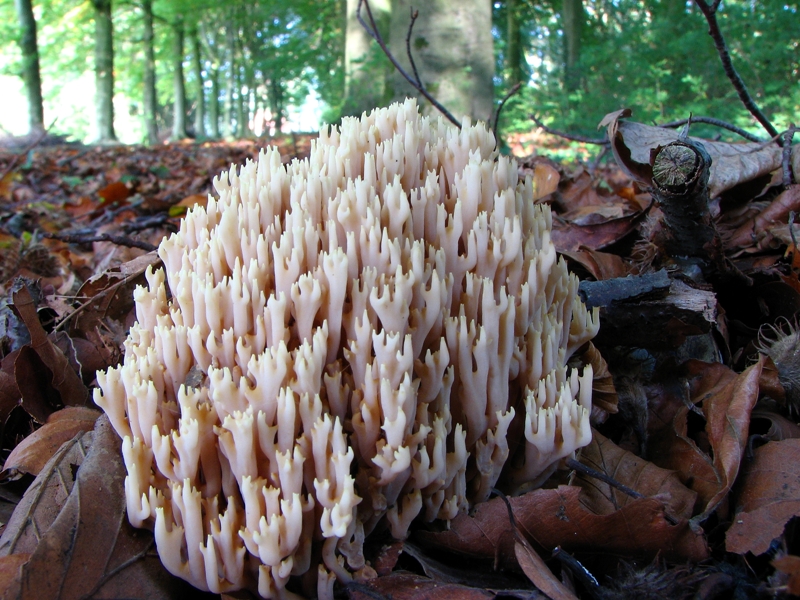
{"x": 32, "y": 453}
{"x": 790, "y": 565}
{"x": 733, "y": 163}
{"x": 569, "y": 237}
{"x": 776, "y": 213}
{"x": 628, "y": 469}
{"x": 556, "y": 517}
{"x": 62, "y": 378}
{"x": 600, "y": 265}
{"x": 71, "y": 560}
{"x": 539, "y": 573}
{"x": 727, "y": 401}
{"x": 770, "y": 496}
{"x": 408, "y": 586}
{"x": 45, "y": 498}
{"x": 545, "y": 181}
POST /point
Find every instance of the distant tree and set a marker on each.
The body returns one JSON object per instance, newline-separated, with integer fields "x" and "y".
{"x": 366, "y": 68}
{"x": 453, "y": 50}
{"x": 514, "y": 52}
{"x": 104, "y": 71}
{"x": 199, "y": 90}
{"x": 150, "y": 103}
{"x": 179, "y": 89}
{"x": 572, "y": 17}
{"x": 30, "y": 64}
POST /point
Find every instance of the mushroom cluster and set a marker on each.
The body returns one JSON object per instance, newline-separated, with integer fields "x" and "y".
{"x": 374, "y": 334}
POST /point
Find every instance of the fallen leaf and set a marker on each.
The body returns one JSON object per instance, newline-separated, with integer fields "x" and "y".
{"x": 636, "y": 473}
{"x": 727, "y": 400}
{"x": 538, "y": 572}
{"x": 769, "y": 497}
{"x": 72, "y": 561}
{"x": 732, "y": 163}
{"x": 753, "y": 232}
{"x": 556, "y": 517}
{"x": 34, "y": 452}
{"x": 600, "y": 265}
{"x": 408, "y": 586}
{"x": 790, "y": 565}
{"x": 114, "y": 193}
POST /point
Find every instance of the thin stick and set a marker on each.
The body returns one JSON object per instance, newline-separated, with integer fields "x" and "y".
{"x": 717, "y": 123}
{"x": 119, "y": 240}
{"x": 710, "y": 13}
{"x": 788, "y": 176}
{"x": 567, "y": 136}
{"x": 583, "y": 469}
{"x": 414, "y": 15}
{"x": 500, "y": 106}
{"x": 372, "y": 30}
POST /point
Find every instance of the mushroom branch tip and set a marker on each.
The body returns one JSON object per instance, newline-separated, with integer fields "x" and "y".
{"x": 377, "y": 333}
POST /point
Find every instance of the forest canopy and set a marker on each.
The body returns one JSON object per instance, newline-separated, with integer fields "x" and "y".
{"x": 255, "y": 68}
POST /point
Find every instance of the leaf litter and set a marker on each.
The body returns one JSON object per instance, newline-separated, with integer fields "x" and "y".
{"x": 686, "y": 414}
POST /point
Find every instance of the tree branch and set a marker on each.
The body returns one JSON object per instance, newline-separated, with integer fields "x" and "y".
{"x": 717, "y": 123}
{"x": 500, "y": 106}
{"x": 568, "y": 136}
{"x": 710, "y": 13}
{"x": 372, "y": 30}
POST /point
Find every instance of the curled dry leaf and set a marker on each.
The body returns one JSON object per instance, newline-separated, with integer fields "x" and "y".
{"x": 408, "y": 586}
{"x": 628, "y": 469}
{"x": 756, "y": 231}
{"x": 539, "y": 573}
{"x": 557, "y": 517}
{"x": 790, "y": 565}
{"x": 727, "y": 400}
{"x": 71, "y": 560}
{"x": 36, "y": 450}
{"x": 42, "y": 352}
{"x": 732, "y": 163}
{"x": 769, "y": 497}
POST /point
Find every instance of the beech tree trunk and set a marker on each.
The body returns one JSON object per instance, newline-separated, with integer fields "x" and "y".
{"x": 572, "y": 22}
{"x": 179, "y": 105}
{"x": 199, "y": 89}
{"x": 104, "y": 71}
{"x": 366, "y": 68}
{"x": 515, "y": 57}
{"x": 150, "y": 123}
{"x": 454, "y": 52}
{"x": 213, "y": 104}
{"x": 230, "y": 81}
{"x": 30, "y": 65}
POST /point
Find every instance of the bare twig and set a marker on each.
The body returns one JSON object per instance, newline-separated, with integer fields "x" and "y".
{"x": 372, "y": 30}
{"x": 582, "y": 468}
{"x": 568, "y": 136}
{"x": 119, "y": 240}
{"x": 710, "y": 13}
{"x": 717, "y": 123}
{"x": 31, "y": 145}
{"x": 788, "y": 176}
{"x": 496, "y": 120}
{"x": 414, "y": 15}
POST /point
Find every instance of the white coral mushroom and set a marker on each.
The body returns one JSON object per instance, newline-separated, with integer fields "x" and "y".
{"x": 370, "y": 325}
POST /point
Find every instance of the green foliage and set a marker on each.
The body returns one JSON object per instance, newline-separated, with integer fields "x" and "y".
{"x": 656, "y": 57}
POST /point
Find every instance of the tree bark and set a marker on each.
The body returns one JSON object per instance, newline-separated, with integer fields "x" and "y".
{"x": 230, "y": 81}
{"x": 179, "y": 104}
{"x": 514, "y": 55}
{"x": 213, "y": 104}
{"x": 150, "y": 106}
{"x": 199, "y": 89}
{"x": 366, "y": 69}
{"x": 30, "y": 65}
{"x": 453, "y": 50}
{"x": 572, "y": 22}
{"x": 104, "y": 71}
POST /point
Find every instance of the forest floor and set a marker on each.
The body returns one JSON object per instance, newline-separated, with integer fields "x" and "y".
{"x": 693, "y": 475}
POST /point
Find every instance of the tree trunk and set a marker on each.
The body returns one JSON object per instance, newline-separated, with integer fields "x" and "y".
{"x": 104, "y": 71}
{"x": 241, "y": 121}
{"x": 230, "y": 82}
{"x": 30, "y": 65}
{"x": 213, "y": 105}
{"x": 179, "y": 105}
{"x": 199, "y": 90}
{"x": 514, "y": 55}
{"x": 366, "y": 67}
{"x": 572, "y": 21}
{"x": 453, "y": 50}
{"x": 150, "y": 107}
